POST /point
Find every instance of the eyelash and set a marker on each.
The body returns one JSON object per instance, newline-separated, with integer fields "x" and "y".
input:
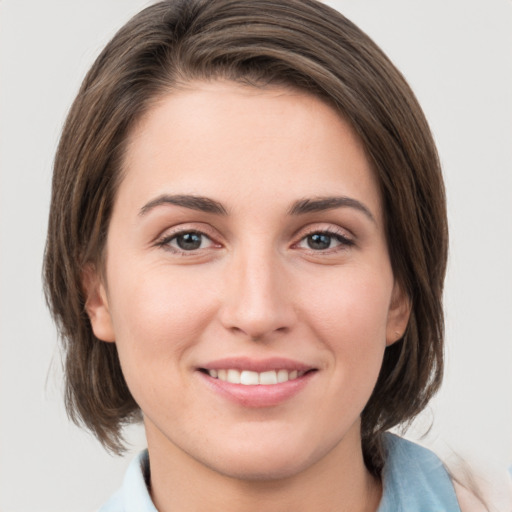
{"x": 341, "y": 238}
{"x": 165, "y": 242}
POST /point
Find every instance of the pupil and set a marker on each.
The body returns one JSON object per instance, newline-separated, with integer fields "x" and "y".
{"x": 319, "y": 241}
{"x": 189, "y": 241}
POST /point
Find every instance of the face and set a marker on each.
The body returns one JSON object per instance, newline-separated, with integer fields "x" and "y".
{"x": 247, "y": 284}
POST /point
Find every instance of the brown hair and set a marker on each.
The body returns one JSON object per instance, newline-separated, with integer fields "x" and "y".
{"x": 298, "y": 43}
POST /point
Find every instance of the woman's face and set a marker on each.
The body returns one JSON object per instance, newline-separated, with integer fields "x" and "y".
{"x": 248, "y": 285}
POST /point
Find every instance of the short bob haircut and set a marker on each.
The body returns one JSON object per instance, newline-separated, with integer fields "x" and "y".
{"x": 300, "y": 44}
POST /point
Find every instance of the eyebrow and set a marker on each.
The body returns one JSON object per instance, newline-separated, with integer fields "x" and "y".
{"x": 303, "y": 206}
{"x": 300, "y": 207}
{"x": 202, "y": 204}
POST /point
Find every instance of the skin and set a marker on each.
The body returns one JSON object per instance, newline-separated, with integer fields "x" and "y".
{"x": 255, "y": 288}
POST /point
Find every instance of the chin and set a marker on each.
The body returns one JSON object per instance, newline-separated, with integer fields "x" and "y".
{"x": 261, "y": 468}
{"x": 263, "y": 460}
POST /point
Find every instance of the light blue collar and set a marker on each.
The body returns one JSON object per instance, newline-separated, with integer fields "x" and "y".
{"x": 415, "y": 480}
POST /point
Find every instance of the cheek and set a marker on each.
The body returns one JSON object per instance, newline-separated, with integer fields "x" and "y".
{"x": 158, "y": 315}
{"x": 349, "y": 314}
{"x": 159, "y": 318}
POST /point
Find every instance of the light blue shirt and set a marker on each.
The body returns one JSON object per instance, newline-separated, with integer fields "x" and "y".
{"x": 414, "y": 480}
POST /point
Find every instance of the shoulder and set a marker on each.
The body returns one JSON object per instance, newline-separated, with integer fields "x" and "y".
{"x": 114, "y": 504}
{"x": 414, "y": 478}
{"x": 134, "y": 494}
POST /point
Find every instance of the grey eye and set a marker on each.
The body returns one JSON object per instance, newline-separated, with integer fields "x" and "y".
{"x": 324, "y": 241}
{"x": 189, "y": 241}
{"x": 319, "y": 241}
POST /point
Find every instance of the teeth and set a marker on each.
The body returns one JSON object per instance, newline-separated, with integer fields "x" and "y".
{"x": 268, "y": 377}
{"x": 282, "y": 375}
{"x": 233, "y": 376}
{"x": 249, "y": 378}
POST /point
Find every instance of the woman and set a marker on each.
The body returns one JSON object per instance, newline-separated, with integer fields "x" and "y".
{"x": 246, "y": 249}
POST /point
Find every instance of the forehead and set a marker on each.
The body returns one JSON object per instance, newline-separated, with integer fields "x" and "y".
{"x": 231, "y": 141}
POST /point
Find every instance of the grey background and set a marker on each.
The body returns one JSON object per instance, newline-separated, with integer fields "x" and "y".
{"x": 457, "y": 56}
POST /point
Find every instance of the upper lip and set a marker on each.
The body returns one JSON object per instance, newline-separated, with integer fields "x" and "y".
{"x": 257, "y": 365}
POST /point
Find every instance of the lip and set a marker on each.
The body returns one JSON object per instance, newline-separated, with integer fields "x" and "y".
{"x": 257, "y": 396}
{"x": 257, "y": 365}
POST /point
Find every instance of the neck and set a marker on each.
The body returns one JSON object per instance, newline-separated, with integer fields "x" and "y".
{"x": 338, "y": 482}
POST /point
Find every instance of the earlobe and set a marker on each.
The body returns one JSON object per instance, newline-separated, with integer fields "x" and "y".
{"x": 398, "y": 315}
{"x": 96, "y": 304}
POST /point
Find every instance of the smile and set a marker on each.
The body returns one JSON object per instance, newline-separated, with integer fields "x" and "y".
{"x": 251, "y": 378}
{"x": 257, "y": 383}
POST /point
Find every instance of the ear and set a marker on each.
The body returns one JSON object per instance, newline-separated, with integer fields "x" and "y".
{"x": 398, "y": 315}
{"x": 96, "y": 304}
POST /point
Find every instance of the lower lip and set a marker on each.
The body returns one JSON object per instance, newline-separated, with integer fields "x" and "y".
{"x": 260, "y": 395}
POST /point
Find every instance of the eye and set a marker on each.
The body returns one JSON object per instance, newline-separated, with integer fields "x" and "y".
{"x": 324, "y": 240}
{"x": 186, "y": 241}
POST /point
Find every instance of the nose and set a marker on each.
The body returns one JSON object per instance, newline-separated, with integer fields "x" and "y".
{"x": 257, "y": 303}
